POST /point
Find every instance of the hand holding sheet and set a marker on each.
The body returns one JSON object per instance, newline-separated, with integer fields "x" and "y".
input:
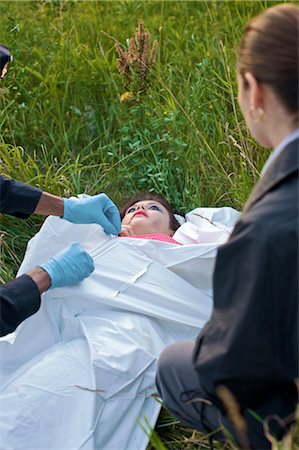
{"x": 97, "y": 209}
{"x": 70, "y": 266}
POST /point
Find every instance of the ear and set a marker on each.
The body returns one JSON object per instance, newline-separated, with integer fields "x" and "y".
{"x": 256, "y": 92}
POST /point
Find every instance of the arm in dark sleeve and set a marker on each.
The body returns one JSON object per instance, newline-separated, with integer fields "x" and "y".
{"x": 18, "y": 199}
{"x": 19, "y": 299}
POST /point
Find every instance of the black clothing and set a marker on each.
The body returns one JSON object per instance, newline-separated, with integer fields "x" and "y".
{"x": 18, "y": 199}
{"x": 19, "y": 298}
{"x": 177, "y": 384}
{"x": 250, "y": 344}
{"x": 5, "y": 59}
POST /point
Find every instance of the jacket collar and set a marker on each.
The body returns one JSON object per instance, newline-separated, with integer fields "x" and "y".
{"x": 286, "y": 164}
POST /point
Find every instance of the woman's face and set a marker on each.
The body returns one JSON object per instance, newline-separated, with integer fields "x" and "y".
{"x": 148, "y": 217}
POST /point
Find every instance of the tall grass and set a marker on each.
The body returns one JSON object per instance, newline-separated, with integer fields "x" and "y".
{"x": 63, "y": 127}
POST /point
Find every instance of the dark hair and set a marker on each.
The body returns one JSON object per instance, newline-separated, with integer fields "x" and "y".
{"x": 269, "y": 50}
{"x": 139, "y": 197}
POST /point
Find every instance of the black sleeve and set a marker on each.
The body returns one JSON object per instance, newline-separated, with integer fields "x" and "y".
{"x": 18, "y": 199}
{"x": 19, "y": 299}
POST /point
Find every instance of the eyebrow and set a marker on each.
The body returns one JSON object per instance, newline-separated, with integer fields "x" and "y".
{"x": 151, "y": 202}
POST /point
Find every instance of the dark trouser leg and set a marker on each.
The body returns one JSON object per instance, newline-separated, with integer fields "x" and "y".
{"x": 175, "y": 376}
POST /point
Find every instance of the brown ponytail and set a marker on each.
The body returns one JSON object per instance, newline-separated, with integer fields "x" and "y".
{"x": 269, "y": 50}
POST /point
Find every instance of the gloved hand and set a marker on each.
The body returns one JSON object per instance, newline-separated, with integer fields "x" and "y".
{"x": 98, "y": 209}
{"x": 70, "y": 266}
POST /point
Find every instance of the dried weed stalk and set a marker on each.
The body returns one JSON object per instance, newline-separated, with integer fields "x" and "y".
{"x": 235, "y": 415}
{"x": 135, "y": 63}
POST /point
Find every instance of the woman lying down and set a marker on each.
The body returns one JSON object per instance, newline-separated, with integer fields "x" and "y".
{"x": 80, "y": 374}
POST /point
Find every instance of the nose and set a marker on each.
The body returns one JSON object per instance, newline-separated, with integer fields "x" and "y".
{"x": 140, "y": 207}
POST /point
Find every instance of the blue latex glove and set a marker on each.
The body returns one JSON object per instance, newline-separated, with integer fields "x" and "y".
{"x": 69, "y": 266}
{"x": 98, "y": 209}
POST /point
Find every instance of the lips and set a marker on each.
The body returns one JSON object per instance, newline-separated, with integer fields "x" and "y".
{"x": 142, "y": 213}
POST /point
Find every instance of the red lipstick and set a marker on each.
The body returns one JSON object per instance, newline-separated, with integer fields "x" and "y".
{"x": 143, "y": 213}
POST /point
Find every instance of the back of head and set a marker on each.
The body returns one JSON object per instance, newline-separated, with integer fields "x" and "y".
{"x": 269, "y": 50}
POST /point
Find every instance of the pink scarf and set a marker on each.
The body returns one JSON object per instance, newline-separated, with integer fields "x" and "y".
{"x": 156, "y": 237}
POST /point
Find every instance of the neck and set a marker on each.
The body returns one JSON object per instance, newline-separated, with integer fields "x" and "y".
{"x": 281, "y": 133}
{"x": 279, "y": 122}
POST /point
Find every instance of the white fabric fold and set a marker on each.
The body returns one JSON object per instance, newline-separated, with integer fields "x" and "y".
{"x": 80, "y": 373}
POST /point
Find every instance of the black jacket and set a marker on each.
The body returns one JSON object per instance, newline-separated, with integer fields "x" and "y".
{"x": 250, "y": 343}
{"x": 18, "y": 199}
{"x": 20, "y": 298}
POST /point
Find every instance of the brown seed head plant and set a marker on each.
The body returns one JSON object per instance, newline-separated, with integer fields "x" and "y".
{"x": 135, "y": 63}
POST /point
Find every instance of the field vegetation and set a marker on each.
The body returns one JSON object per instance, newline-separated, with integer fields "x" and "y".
{"x": 65, "y": 129}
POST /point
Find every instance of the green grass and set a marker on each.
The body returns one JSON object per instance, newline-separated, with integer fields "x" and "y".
{"x": 63, "y": 127}
{"x": 169, "y": 434}
{"x": 60, "y": 104}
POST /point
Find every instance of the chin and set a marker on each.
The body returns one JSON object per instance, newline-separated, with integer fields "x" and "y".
{"x": 141, "y": 231}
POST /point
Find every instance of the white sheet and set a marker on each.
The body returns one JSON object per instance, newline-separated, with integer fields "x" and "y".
{"x": 80, "y": 373}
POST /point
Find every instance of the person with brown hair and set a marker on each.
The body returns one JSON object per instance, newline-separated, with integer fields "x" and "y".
{"x": 148, "y": 215}
{"x": 98, "y": 343}
{"x": 240, "y": 374}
